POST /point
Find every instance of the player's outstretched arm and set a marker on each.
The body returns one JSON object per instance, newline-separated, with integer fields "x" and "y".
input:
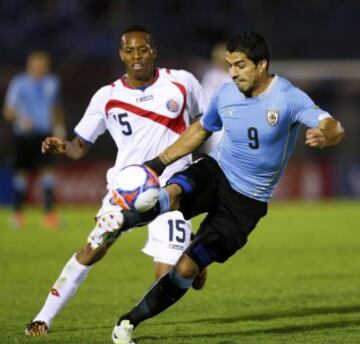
{"x": 328, "y": 133}
{"x": 11, "y": 116}
{"x": 188, "y": 142}
{"x": 74, "y": 149}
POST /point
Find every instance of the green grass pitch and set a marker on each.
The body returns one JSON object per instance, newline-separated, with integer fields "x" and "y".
{"x": 297, "y": 281}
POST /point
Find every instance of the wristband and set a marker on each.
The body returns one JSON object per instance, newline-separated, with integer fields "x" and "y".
{"x": 156, "y": 165}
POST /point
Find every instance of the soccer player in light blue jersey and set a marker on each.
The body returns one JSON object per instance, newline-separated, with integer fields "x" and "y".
{"x": 260, "y": 114}
{"x": 32, "y": 106}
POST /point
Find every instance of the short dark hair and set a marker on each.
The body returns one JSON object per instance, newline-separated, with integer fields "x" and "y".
{"x": 252, "y": 44}
{"x": 139, "y": 28}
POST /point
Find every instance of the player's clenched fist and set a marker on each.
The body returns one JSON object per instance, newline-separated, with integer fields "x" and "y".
{"x": 315, "y": 137}
{"x": 53, "y": 145}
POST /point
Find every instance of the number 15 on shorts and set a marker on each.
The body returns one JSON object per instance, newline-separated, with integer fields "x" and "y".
{"x": 177, "y": 231}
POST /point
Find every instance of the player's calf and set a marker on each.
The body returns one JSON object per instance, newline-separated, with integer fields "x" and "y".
{"x": 164, "y": 293}
{"x": 200, "y": 280}
{"x": 88, "y": 256}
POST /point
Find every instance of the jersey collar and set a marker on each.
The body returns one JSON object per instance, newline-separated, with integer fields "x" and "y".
{"x": 251, "y": 100}
{"x": 269, "y": 88}
{"x": 143, "y": 88}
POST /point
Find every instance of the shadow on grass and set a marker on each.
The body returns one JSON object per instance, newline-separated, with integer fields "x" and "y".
{"x": 252, "y": 317}
{"x": 290, "y": 329}
{"x": 273, "y": 315}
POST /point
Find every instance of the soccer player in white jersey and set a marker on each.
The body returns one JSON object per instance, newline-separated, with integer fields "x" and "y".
{"x": 260, "y": 114}
{"x": 144, "y": 111}
{"x": 214, "y": 77}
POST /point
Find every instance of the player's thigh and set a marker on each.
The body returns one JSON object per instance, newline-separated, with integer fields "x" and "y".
{"x": 28, "y": 153}
{"x": 225, "y": 230}
{"x": 168, "y": 236}
{"x": 44, "y": 161}
{"x": 24, "y": 153}
{"x": 199, "y": 183}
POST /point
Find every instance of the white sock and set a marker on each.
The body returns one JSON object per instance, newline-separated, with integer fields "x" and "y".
{"x": 64, "y": 288}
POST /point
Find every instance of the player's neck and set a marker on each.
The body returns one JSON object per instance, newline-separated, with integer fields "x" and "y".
{"x": 36, "y": 76}
{"x": 137, "y": 83}
{"x": 263, "y": 85}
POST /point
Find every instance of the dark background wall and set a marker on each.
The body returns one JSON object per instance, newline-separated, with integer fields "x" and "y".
{"x": 83, "y": 36}
{"x": 88, "y": 29}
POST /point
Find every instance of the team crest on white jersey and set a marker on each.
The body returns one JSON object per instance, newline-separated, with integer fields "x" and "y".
{"x": 173, "y": 105}
{"x": 272, "y": 117}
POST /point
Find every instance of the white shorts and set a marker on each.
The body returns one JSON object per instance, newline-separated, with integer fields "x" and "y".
{"x": 168, "y": 235}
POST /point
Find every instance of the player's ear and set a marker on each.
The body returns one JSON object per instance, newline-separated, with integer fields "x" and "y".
{"x": 121, "y": 55}
{"x": 155, "y": 52}
{"x": 263, "y": 65}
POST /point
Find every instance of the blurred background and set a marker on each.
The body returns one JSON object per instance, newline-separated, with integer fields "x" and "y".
{"x": 314, "y": 44}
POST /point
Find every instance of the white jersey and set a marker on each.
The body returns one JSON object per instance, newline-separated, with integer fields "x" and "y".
{"x": 212, "y": 80}
{"x": 144, "y": 121}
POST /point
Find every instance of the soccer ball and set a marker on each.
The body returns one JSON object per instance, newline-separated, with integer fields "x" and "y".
{"x": 136, "y": 187}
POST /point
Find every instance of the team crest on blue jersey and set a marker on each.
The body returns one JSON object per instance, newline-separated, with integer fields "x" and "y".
{"x": 173, "y": 105}
{"x": 272, "y": 117}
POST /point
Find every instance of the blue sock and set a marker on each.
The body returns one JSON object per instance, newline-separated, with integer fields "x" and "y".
{"x": 20, "y": 188}
{"x": 48, "y": 184}
{"x": 164, "y": 201}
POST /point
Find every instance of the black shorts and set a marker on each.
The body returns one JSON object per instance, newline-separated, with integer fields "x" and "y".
{"x": 28, "y": 153}
{"x": 231, "y": 216}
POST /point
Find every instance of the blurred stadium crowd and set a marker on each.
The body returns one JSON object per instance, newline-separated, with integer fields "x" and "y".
{"x": 88, "y": 29}
{"x": 313, "y": 43}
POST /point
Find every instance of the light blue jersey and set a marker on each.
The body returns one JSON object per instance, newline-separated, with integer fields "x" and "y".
{"x": 34, "y": 99}
{"x": 259, "y": 133}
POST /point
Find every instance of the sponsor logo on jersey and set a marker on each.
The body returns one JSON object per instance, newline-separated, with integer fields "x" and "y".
{"x": 144, "y": 98}
{"x": 176, "y": 247}
{"x": 227, "y": 112}
{"x": 173, "y": 105}
{"x": 272, "y": 117}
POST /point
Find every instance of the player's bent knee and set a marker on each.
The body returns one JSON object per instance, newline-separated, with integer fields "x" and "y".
{"x": 182, "y": 181}
{"x": 186, "y": 267}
